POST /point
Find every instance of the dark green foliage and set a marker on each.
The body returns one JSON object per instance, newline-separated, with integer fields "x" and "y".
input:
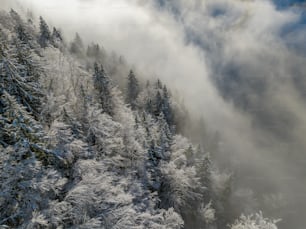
{"x": 160, "y": 103}
{"x": 44, "y": 34}
{"x": 203, "y": 167}
{"x": 103, "y": 86}
{"x": 25, "y": 34}
{"x": 165, "y": 139}
{"x": 56, "y": 35}
{"x": 19, "y": 127}
{"x": 166, "y": 107}
{"x": 22, "y": 35}
{"x": 19, "y": 198}
{"x": 56, "y": 38}
{"x": 19, "y": 77}
{"x": 132, "y": 90}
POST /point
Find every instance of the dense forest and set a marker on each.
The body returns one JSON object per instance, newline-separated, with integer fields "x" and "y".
{"x": 85, "y": 142}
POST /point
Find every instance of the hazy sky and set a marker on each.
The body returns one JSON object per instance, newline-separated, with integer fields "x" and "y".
{"x": 200, "y": 48}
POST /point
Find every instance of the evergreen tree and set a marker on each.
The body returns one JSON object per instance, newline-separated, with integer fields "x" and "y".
{"x": 22, "y": 34}
{"x": 166, "y": 107}
{"x": 29, "y": 68}
{"x": 94, "y": 51}
{"x": 19, "y": 127}
{"x": 149, "y": 106}
{"x": 165, "y": 137}
{"x": 159, "y": 84}
{"x": 77, "y": 46}
{"x": 156, "y": 100}
{"x": 44, "y": 34}
{"x": 132, "y": 90}
{"x": 103, "y": 86}
{"x": 203, "y": 167}
{"x": 158, "y": 104}
{"x": 16, "y": 17}
{"x": 256, "y": 221}
{"x": 25, "y": 33}
{"x": 19, "y": 77}
{"x": 56, "y": 37}
{"x": 26, "y": 186}
{"x": 152, "y": 168}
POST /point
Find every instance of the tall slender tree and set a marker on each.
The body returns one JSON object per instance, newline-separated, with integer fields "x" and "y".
{"x": 132, "y": 90}
{"x": 44, "y": 33}
{"x": 77, "y": 46}
{"x": 19, "y": 77}
{"x": 103, "y": 86}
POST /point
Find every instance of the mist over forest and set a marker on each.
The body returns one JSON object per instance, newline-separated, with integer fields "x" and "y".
{"x": 153, "y": 114}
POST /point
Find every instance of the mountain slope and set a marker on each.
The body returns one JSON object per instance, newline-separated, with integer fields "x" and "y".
{"x": 79, "y": 152}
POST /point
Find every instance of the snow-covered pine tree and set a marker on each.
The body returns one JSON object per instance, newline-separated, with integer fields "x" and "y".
{"x": 56, "y": 37}
{"x": 18, "y": 126}
{"x": 19, "y": 76}
{"x": 22, "y": 34}
{"x": 26, "y": 185}
{"x": 132, "y": 90}
{"x": 256, "y": 221}
{"x": 166, "y": 107}
{"x": 25, "y": 32}
{"x": 103, "y": 86}
{"x": 77, "y": 46}
{"x": 44, "y": 37}
{"x": 94, "y": 51}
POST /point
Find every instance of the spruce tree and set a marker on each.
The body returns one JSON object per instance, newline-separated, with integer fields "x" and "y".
{"x": 94, "y": 51}
{"x": 77, "y": 46}
{"x": 20, "y": 128}
{"x": 44, "y": 34}
{"x": 56, "y": 37}
{"x": 19, "y": 77}
{"x": 165, "y": 138}
{"x": 158, "y": 104}
{"x": 22, "y": 34}
{"x": 166, "y": 107}
{"x": 103, "y": 86}
{"x": 132, "y": 90}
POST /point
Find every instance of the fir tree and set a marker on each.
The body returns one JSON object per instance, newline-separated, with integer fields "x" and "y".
{"x": 19, "y": 77}
{"x": 44, "y": 34}
{"x": 132, "y": 90}
{"x": 103, "y": 86}
{"x": 94, "y": 51}
{"x": 166, "y": 107}
{"x": 15, "y": 16}
{"x": 158, "y": 104}
{"x": 56, "y": 37}
{"x": 165, "y": 137}
{"x": 152, "y": 168}
{"x": 22, "y": 34}
{"x": 19, "y": 127}
{"x": 77, "y": 46}
{"x": 256, "y": 221}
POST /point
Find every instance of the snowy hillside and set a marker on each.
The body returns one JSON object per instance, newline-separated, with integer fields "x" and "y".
{"x": 85, "y": 143}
